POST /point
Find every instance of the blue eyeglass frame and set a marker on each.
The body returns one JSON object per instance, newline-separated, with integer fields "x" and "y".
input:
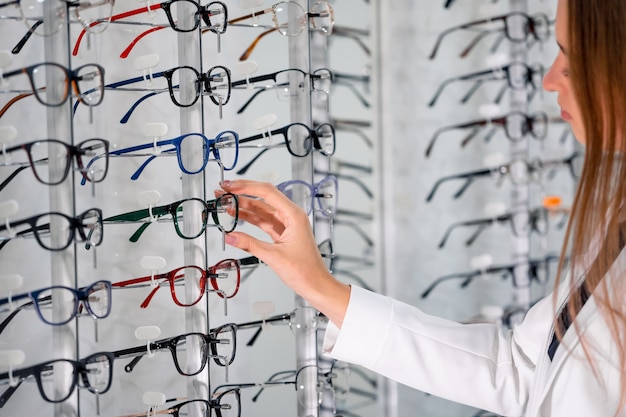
{"x": 81, "y": 297}
{"x": 210, "y": 146}
{"x": 315, "y": 194}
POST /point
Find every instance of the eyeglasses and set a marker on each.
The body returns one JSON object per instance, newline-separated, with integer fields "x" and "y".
{"x": 214, "y": 15}
{"x": 302, "y": 320}
{"x": 516, "y": 126}
{"x": 220, "y": 344}
{"x": 38, "y": 152}
{"x": 519, "y": 76}
{"x": 304, "y": 194}
{"x": 522, "y": 222}
{"x": 335, "y": 379}
{"x": 224, "y": 277}
{"x": 28, "y": 11}
{"x": 354, "y": 126}
{"x": 299, "y": 139}
{"x": 95, "y": 299}
{"x": 88, "y": 224}
{"x": 351, "y": 178}
{"x": 516, "y": 27}
{"x": 95, "y": 372}
{"x": 226, "y": 404}
{"x": 286, "y": 83}
{"x": 538, "y": 271}
{"x": 321, "y": 16}
{"x": 217, "y": 14}
{"x": 520, "y": 172}
{"x": 87, "y": 81}
{"x": 224, "y": 147}
{"x": 86, "y": 12}
{"x": 324, "y": 79}
{"x": 224, "y": 212}
{"x": 215, "y": 83}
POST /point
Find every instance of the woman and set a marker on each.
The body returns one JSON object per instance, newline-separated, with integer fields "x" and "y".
{"x": 549, "y": 365}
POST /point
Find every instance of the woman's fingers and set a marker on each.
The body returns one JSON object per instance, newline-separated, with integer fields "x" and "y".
{"x": 265, "y": 191}
{"x": 269, "y": 224}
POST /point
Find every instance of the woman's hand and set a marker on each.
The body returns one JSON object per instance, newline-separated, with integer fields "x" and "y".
{"x": 293, "y": 252}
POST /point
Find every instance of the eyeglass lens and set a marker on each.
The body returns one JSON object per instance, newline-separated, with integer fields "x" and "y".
{"x": 53, "y": 371}
{"x": 31, "y": 12}
{"x": 98, "y": 303}
{"x": 98, "y": 372}
{"x": 178, "y": 290}
{"x": 226, "y": 149}
{"x": 88, "y": 12}
{"x": 519, "y": 26}
{"x": 227, "y": 280}
{"x": 228, "y": 406}
{"x": 322, "y": 17}
{"x": 518, "y": 125}
{"x": 289, "y": 83}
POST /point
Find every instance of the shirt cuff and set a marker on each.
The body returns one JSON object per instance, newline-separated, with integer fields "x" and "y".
{"x": 366, "y": 323}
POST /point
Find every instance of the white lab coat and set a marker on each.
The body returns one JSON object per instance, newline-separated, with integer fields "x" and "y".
{"x": 478, "y": 364}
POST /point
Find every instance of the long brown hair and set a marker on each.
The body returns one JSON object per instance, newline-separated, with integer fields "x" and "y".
{"x": 597, "y": 69}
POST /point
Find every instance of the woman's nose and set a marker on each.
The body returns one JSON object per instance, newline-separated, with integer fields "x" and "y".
{"x": 550, "y": 82}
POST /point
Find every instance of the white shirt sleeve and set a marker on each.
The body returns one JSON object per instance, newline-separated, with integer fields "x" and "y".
{"x": 475, "y": 364}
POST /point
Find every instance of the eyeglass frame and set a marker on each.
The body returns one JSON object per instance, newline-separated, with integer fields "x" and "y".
{"x": 209, "y": 274}
{"x": 154, "y": 213}
{"x": 272, "y": 9}
{"x": 72, "y": 151}
{"x": 212, "y": 404}
{"x": 37, "y": 370}
{"x": 499, "y": 121}
{"x": 81, "y": 298}
{"x": 165, "y": 6}
{"x": 497, "y": 74}
{"x": 315, "y": 194}
{"x": 532, "y": 19}
{"x": 315, "y": 143}
{"x": 169, "y": 343}
{"x": 534, "y": 216}
{"x": 74, "y": 222}
{"x": 176, "y": 142}
{"x": 503, "y": 170}
{"x": 70, "y": 78}
{"x": 509, "y": 270}
{"x": 167, "y": 74}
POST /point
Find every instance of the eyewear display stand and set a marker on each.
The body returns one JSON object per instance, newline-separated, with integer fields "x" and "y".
{"x": 62, "y": 265}
{"x": 520, "y": 196}
{"x": 69, "y": 341}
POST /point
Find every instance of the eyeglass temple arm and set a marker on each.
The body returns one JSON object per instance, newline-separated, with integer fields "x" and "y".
{"x": 438, "y": 281}
{"x": 480, "y": 36}
{"x": 14, "y": 100}
{"x": 130, "y": 111}
{"x": 247, "y": 166}
{"x": 118, "y": 16}
{"x": 18, "y": 47}
{"x": 356, "y": 92}
{"x": 132, "y": 44}
{"x": 251, "y": 99}
{"x": 249, "y": 16}
{"x": 6, "y": 395}
{"x": 92, "y": 161}
{"x": 475, "y": 124}
{"x": 13, "y": 175}
{"x": 254, "y": 43}
{"x": 11, "y": 316}
{"x": 271, "y": 381}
